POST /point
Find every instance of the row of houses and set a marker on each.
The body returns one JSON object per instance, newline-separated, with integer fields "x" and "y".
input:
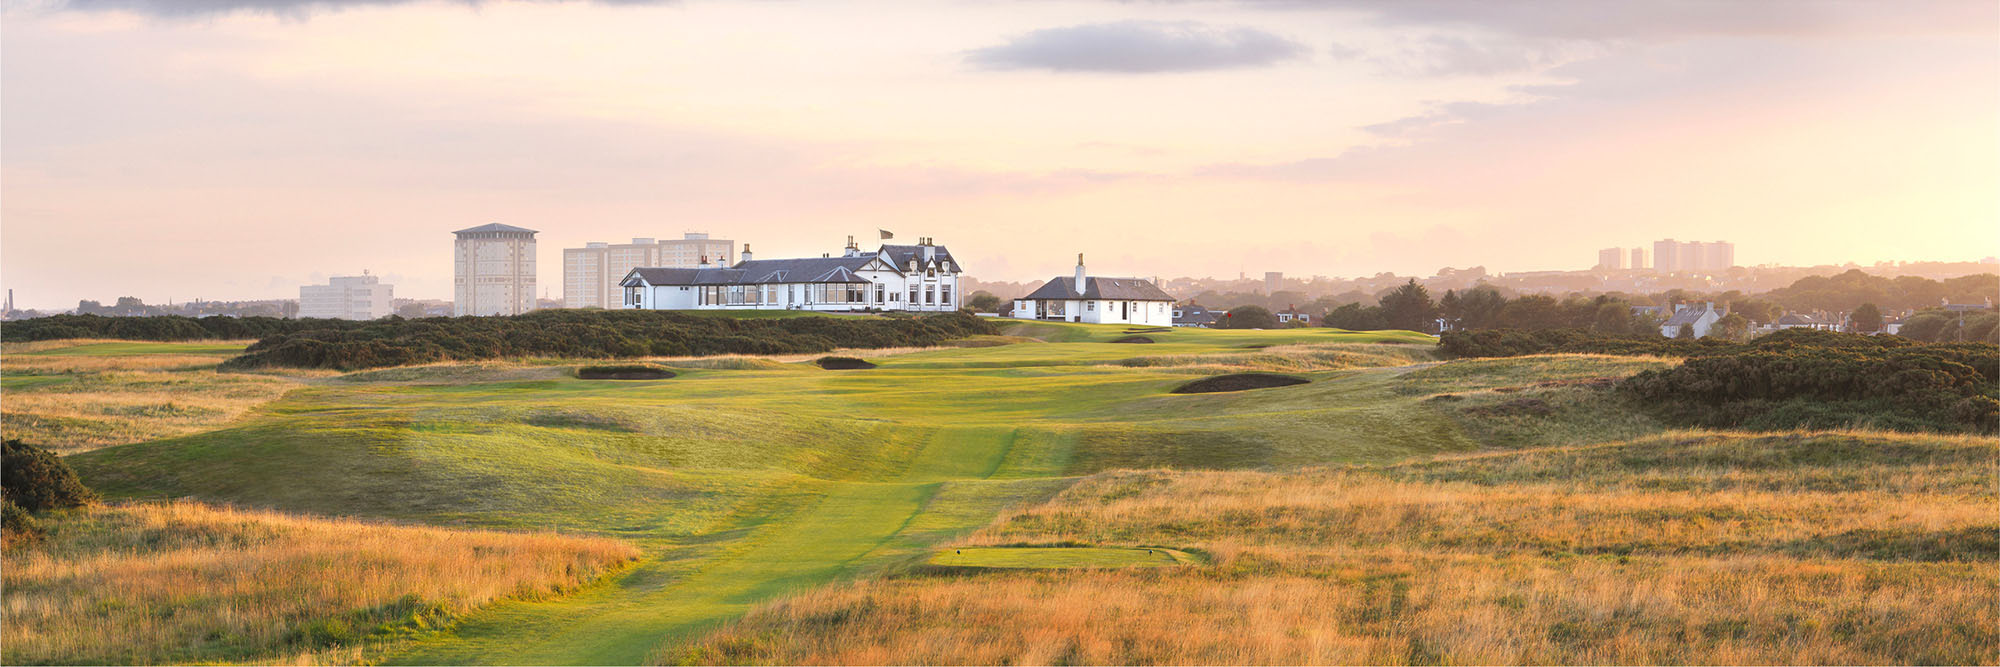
{"x": 1701, "y": 318}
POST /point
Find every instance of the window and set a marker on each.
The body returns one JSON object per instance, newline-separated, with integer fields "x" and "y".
{"x": 913, "y": 295}
{"x": 1090, "y": 305}
{"x": 944, "y": 295}
{"x": 879, "y": 292}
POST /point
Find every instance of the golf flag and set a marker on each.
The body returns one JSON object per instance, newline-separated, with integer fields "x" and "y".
{"x": 885, "y": 234}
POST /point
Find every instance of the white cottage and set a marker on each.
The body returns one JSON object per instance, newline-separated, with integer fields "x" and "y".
{"x": 1699, "y": 317}
{"x": 1098, "y": 300}
{"x": 921, "y": 278}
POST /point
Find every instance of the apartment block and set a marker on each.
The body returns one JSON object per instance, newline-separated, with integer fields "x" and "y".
{"x": 493, "y": 270}
{"x": 361, "y": 297}
{"x": 591, "y": 273}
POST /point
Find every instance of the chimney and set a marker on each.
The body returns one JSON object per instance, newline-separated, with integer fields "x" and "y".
{"x": 930, "y": 250}
{"x": 704, "y": 261}
{"x": 746, "y": 252}
{"x": 1079, "y": 274}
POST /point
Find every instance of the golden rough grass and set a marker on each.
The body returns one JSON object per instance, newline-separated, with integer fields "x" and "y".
{"x": 1301, "y": 357}
{"x": 103, "y": 403}
{"x": 181, "y": 582}
{"x": 1689, "y": 547}
{"x": 44, "y": 345}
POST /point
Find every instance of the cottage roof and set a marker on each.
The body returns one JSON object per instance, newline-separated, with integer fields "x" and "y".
{"x": 900, "y": 255}
{"x": 1193, "y": 314}
{"x": 759, "y": 272}
{"x": 1688, "y": 315}
{"x": 1797, "y": 319}
{"x": 1110, "y": 289}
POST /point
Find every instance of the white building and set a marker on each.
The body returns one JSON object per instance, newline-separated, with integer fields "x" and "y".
{"x": 1193, "y": 315}
{"x": 591, "y": 273}
{"x": 1700, "y": 316}
{"x": 361, "y": 297}
{"x": 1097, "y": 300}
{"x": 918, "y": 278}
{"x": 493, "y": 270}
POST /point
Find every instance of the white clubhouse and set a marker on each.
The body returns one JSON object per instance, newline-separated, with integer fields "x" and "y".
{"x": 918, "y": 278}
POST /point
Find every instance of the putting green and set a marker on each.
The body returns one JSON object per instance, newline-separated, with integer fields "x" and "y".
{"x": 1060, "y": 557}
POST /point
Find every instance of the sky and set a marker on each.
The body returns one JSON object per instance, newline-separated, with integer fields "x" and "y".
{"x": 236, "y": 149}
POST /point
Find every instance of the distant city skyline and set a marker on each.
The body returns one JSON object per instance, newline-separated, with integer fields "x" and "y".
{"x": 204, "y": 144}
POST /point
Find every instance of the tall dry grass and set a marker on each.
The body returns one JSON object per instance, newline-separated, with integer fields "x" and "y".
{"x": 89, "y": 409}
{"x": 1681, "y": 548}
{"x": 181, "y": 582}
{"x": 1297, "y": 358}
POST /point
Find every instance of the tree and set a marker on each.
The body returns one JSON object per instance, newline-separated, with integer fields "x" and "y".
{"x": 1867, "y": 318}
{"x": 1409, "y": 307}
{"x": 1926, "y": 326}
{"x": 1249, "y": 317}
{"x": 1984, "y": 327}
{"x": 1647, "y": 324}
{"x": 1480, "y": 307}
{"x": 1757, "y": 310}
{"x": 983, "y": 301}
{"x": 1733, "y": 327}
{"x": 1686, "y": 332}
{"x": 1356, "y": 317}
{"x": 1450, "y": 307}
{"x": 1534, "y": 311}
{"x": 1612, "y": 317}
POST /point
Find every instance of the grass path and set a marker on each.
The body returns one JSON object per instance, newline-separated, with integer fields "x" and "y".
{"x": 846, "y": 528}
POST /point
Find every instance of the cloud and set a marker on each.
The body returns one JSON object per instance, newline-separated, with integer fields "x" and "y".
{"x": 285, "y": 8}
{"x": 1138, "y": 47}
{"x": 1450, "y": 55}
{"x": 1669, "y": 19}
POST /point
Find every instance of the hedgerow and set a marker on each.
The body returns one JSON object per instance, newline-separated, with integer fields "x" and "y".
{"x": 160, "y": 327}
{"x": 589, "y": 334}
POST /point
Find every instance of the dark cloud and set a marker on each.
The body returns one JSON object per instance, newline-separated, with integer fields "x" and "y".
{"x": 287, "y": 8}
{"x": 1138, "y": 47}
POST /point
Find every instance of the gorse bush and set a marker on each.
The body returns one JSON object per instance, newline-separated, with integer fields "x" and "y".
{"x": 1518, "y": 342}
{"x": 1797, "y": 378}
{"x": 1904, "y": 388}
{"x": 160, "y": 327}
{"x": 591, "y": 334}
{"x": 35, "y": 479}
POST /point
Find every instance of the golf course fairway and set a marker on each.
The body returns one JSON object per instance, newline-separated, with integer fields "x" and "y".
{"x": 743, "y": 480}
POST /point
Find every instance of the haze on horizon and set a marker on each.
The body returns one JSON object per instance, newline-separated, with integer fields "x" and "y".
{"x": 236, "y": 149}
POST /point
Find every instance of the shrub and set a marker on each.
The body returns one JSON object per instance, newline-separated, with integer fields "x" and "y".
{"x": 36, "y": 479}
{"x": 17, "y": 522}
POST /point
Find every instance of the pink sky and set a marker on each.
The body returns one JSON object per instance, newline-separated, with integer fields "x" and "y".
{"x": 233, "y": 149}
